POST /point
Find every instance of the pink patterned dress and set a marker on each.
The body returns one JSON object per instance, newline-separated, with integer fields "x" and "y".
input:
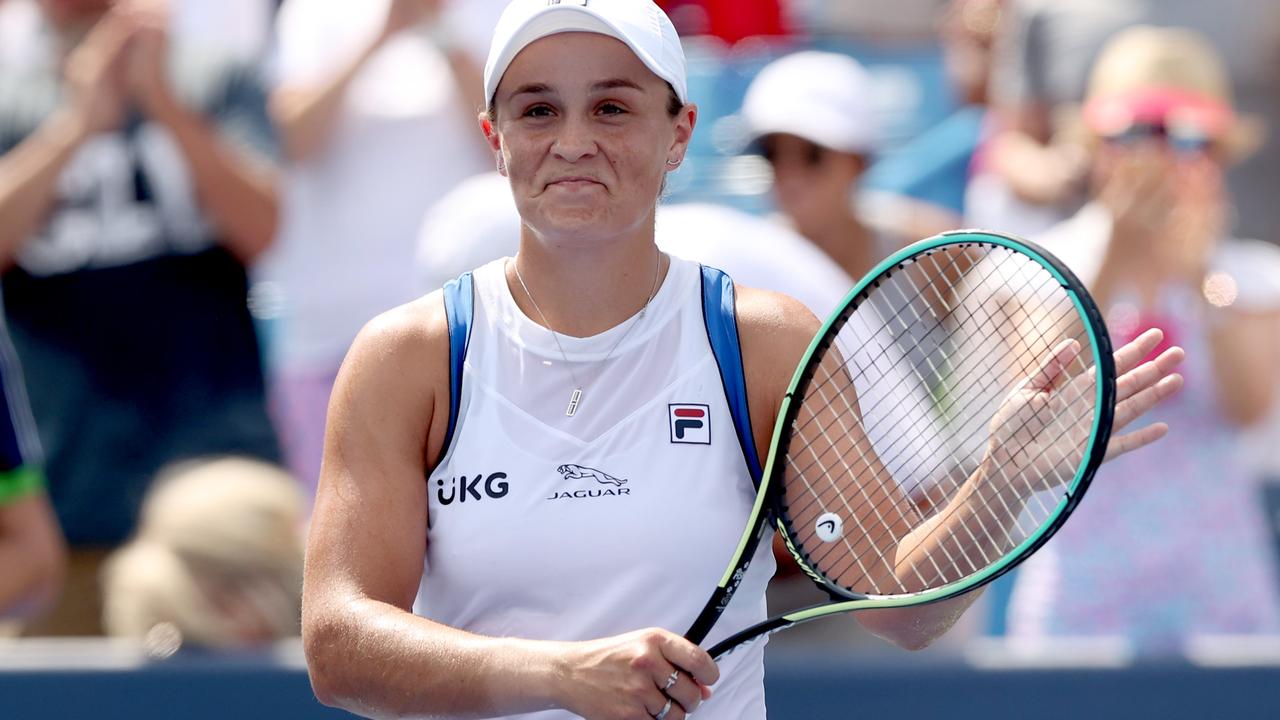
{"x": 1171, "y": 541}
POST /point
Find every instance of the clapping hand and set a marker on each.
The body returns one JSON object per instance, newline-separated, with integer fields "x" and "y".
{"x": 1029, "y": 444}
{"x": 94, "y": 75}
{"x": 147, "y": 71}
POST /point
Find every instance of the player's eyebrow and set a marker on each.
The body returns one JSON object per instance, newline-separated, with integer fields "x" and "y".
{"x": 545, "y": 89}
{"x": 533, "y": 89}
{"x": 615, "y": 83}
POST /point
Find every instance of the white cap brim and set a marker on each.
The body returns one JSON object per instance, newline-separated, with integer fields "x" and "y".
{"x": 557, "y": 19}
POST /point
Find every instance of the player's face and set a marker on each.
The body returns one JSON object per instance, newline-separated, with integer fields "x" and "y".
{"x": 584, "y": 133}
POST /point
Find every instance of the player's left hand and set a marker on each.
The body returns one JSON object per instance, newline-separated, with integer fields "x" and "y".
{"x": 1028, "y": 424}
{"x": 1140, "y": 386}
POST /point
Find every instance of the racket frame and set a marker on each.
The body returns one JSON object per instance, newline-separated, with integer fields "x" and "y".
{"x": 768, "y": 499}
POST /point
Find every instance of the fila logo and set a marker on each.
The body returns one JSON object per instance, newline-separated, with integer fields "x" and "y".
{"x": 690, "y": 424}
{"x": 583, "y": 3}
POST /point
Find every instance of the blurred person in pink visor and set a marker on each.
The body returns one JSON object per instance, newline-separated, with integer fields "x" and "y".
{"x": 1152, "y": 245}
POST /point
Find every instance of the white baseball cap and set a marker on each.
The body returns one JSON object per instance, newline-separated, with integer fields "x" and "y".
{"x": 823, "y": 97}
{"x": 639, "y": 23}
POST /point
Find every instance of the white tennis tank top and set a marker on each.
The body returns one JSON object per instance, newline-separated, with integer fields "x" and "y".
{"x": 622, "y": 517}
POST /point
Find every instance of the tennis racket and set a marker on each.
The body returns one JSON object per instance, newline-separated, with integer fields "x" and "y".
{"x": 943, "y": 424}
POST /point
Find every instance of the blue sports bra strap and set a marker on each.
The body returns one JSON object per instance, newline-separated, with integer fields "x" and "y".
{"x": 722, "y": 331}
{"x": 459, "y": 302}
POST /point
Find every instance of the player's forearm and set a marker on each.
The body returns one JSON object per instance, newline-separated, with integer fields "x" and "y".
{"x": 963, "y": 536}
{"x": 375, "y": 659}
{"x": 29, "y": 180}
{"x": 236, "y": 191}
{"x": 916, "y": 627}
{"x": 950, "y": 545}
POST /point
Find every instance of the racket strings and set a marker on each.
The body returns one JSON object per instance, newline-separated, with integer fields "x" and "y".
{"x": 882, "y": 509}
{"x": 885, "y": 348}
{"x": 987, "y": 559}
{"x": 937, "y": 373}
{"x": 1006, "y": 540}
{"x": 848, "y": 383}
{"x": 882, "y": 523}
{"x": 938, "y": 572}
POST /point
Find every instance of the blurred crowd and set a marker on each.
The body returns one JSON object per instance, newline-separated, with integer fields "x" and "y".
{"x": 202, "y": 203}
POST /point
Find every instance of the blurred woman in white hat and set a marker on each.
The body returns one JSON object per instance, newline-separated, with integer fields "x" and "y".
{"x": 507, "y": 522}
{"x": 811, "y": 115}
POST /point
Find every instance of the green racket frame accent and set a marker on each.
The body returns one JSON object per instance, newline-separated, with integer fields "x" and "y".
{"x": 766, "y": 499}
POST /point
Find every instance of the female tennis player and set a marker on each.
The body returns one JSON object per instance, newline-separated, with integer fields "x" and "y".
{"x": 580, "y": 423}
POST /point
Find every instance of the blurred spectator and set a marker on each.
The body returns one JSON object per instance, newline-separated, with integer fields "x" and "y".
{"x": 241, "y": 28}
{"x": 32, "y": 554}
{"x": 367, "y": 101}
{"x": 882, "y": 20}
{"x": 216, "y": 561}
{"x": 1043, "y": 63}
{"x": 811, "y": 116}
{"x": 934, "y": 167}
{"x": 1173, "y": 543}
{"x": 234, "y": 28}
{"x": 729, "y": 20}
{"x": 132, "y": 197}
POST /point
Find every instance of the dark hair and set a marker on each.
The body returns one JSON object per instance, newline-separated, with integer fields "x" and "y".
{"x": 673, "y": 105}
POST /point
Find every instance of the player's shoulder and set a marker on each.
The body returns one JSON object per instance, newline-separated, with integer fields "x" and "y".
{"x": 774, "y": 330}
{"x": 415, "y": 324}
{"x": 405, "y": 345}
{"x": 771, "y": 313}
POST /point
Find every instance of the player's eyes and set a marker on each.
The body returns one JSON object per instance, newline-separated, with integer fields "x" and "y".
{"x": 611, "y": 109}
{"x": 538, "y": 111}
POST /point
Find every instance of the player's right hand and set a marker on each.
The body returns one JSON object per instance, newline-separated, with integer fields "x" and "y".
{"x": 621, "y": 677}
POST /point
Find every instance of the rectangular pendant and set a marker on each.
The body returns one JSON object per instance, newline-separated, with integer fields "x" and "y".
{"x": 573, "y": 402}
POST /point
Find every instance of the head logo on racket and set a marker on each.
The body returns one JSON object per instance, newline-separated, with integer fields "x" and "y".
{"x": 829, "y": 527}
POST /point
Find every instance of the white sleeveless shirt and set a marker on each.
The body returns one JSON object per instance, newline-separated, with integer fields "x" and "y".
{"x": 622, "y": 517}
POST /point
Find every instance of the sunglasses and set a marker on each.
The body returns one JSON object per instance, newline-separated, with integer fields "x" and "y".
{"x": 1181, "y": 139}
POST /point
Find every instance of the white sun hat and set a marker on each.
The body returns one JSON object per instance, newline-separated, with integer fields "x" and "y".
{"x": 639, "y": 23}
{"x": 823, "y": 97}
